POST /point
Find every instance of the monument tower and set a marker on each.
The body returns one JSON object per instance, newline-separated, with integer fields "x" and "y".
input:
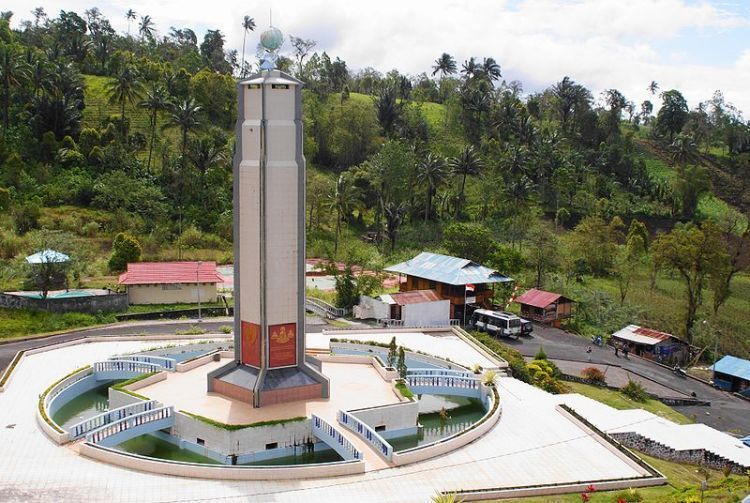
{"x": 269, "y": 242}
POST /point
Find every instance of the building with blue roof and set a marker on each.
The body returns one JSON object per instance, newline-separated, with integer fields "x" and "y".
{"x": 462, "y": 281}
{"x": 732, "y": 374}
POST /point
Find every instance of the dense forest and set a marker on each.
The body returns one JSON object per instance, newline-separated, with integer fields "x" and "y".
{"x": 637, "y": 211}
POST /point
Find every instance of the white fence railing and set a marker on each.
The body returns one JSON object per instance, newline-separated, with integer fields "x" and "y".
{"x": 135, "y": 367}
{"x": 324, "y": 309}
{"x": 128, "y": 423}
{"x": 166, "y": 363}
{"x": 334, "y": 439}
{"x": 393, "y": 323}
{"x": 381, "y": 445}
{"x": 429, "y": 372}
{"x": 437, "y": 381}
{"x": 88, "y": 425}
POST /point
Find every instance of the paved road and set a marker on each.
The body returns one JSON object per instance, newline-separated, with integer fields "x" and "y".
{"x": 726, "y": 413}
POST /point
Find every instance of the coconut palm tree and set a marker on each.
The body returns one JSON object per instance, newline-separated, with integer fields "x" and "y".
{"x": 205, "y": 154}
{"x": 344, "y": 198}
{"x": 394, "y": 217}
{"x": 184, "y": 115}
{"x": 13, "y": 71}
{"x": 130, "y": 16}
{"x": 125, "y": 87}
{"x": 432, "y": 173}
{"x": 491, "y": 69}
{"x": 445, "y": 64}
{"x": 467, "y": 163}
{"x": 470, "y": 68}
{"x": 146, "y": 28}
{"x": 653, "y": 87}
{"x": 155, "y": 101}
{"x": 248, "y": 24}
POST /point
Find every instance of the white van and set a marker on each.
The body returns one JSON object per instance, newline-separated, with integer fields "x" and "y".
{"x": 496, "y": 322}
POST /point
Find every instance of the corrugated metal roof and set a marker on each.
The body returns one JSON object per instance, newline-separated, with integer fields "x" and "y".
{"x": 414, "y": 297}
{"x": 540, "y": 298}
{"x": 47, "y": 257}
{"x": 733, "y": 366}
{"x": 160, "y": 273}
{"x": 641, "y": 335}
{"x": 446, "y": 269}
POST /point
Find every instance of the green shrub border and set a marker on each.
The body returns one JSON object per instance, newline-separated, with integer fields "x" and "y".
{"x": 43, "y": 411}
{"x": 403, "y": 388}
{"x": 121, "y": 386}
{"x": 8, "y": 371}
{"x": 234, "y": 427}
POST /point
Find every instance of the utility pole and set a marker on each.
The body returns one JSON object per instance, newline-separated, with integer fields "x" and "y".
{"x": 198, "y": 286}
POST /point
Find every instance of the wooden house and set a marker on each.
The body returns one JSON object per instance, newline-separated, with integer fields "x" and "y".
{"x": 545, "y": 307}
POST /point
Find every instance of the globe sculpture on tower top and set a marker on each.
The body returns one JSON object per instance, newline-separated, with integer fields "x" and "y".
{"x": 271, "y": 41}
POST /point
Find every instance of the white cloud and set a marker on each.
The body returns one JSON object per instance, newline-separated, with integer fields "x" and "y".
{"x": 600, "y": 43}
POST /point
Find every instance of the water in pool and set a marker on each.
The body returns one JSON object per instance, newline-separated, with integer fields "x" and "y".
{"x": 461, "y": 413}
{"x": 84, "y": 406}
{"x": 301, "y": 458}
{"x": 153, "y": 447}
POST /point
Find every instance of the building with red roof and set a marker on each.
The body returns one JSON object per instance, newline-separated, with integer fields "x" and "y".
{"x": 545, "y": 307}
{"x": 171, "y": 282}
{"x": 652, "y": 344}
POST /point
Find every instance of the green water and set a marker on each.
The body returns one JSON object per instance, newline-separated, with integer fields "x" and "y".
{"x": 462, "y": 413}
{"x": 301, "y": 458}
{"x": 153, "y": 447}
{"x": 84, "y": 406}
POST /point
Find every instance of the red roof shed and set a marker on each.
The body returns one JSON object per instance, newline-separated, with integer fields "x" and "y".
{"x": 545, "y": 307}
{"x": 165, "y": 273}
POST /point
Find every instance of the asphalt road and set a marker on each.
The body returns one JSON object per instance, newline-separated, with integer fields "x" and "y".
{"x": 726, "y": 412}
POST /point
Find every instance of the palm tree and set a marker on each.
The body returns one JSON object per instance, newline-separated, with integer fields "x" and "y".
{"x": 125, "y": 87}
{"x": 653, "y": 87}
{"x": 470, "y": 68}
{"x": 156, "y": 100}
{"x": 130, "y": 16}
{"x": 683, "y": 150}
{"x": 431, "y": 172}
{"x": 343, "y": 199}
{"x": 394, "y": 217}
{"x": 466, "y": 164}
{"x": 146, "y": 28}
{"x": 248, "y": 24}
{"x": 184, "y": 115}
{"x": 491, "y": 69}
{"x": 205, "y": 154}
{"x": 13, "y": 70}
{"x": 445, "y": 64}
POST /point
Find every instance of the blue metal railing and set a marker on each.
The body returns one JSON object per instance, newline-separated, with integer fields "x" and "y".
{"x": 166, "y": 363}
{"x": 366, "y": 433}
{"x": 88, "y": 425}
{"x": 127, "y": 423}
{"x": 334, "y": 439}
{"x": 438, "y": 372}
{"x": 132, "y": 366}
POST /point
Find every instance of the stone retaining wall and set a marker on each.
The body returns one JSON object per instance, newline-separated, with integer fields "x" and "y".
{"x": 117, "y": 302}
{"x": 691, "y": 456}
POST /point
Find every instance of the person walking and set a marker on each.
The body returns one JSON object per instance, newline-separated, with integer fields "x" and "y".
{"x": 625, "y": 351}
{"x": 617, "y": 351}
{"x": 588, "y": 353}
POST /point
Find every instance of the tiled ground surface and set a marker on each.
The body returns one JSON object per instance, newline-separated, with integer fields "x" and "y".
{"x": 532, "y": 444}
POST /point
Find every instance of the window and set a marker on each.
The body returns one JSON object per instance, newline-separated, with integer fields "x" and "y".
{"x": 272, "y": 445}
{"x": 432, "y": 285}
{"x": 172, "y": 286}
{"x": 200, "y": 441}
{"x": 279, "y": 86}
{"x": 380, "y": 428}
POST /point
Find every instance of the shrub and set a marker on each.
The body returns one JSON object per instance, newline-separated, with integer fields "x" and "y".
{"x": 628, "y": 496}
{"x": 635, "y": 391}
{"x": 125, "y": 248}
{"x": 489, "y": 377}
{"x": 593, "y": 374}
{"x": 540, "y": 355}
{"x": 225, "y": 329}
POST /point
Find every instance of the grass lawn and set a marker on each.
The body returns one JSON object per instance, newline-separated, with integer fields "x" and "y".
{"x": 683, "y": 483}
{"x": 15, "y": 323}
{"x": 619, "y": 401}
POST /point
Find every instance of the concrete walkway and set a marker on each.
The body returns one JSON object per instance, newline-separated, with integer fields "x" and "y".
{"x": 531, "y": 444}
{"x": 726, "y": 413}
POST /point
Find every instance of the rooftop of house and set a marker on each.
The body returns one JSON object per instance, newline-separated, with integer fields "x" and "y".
{"x": 447, "y": 269}
{"x": 540, "y": 298}
{"x": 160, "y": 273}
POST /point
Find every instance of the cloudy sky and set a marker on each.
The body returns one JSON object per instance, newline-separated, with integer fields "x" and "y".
{"x": 696, "y": 46}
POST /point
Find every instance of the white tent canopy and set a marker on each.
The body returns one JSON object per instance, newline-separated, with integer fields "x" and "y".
{"x": 46, "y": 257}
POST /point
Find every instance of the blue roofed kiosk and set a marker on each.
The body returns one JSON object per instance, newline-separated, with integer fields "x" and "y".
{"x": 732, "y": 374}
{"x": 459, "y": 280}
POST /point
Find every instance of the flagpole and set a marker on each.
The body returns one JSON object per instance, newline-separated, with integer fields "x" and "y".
{"x": 464, "y": 305}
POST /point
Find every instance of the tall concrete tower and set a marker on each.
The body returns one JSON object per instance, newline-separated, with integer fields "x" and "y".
{"x": 269, "y": 244}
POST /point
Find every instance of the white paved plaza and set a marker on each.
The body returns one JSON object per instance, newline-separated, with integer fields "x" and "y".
{"x": 531, "y": 444}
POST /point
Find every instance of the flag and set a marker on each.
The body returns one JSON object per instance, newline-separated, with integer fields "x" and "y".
{"x": 470, "y": 288}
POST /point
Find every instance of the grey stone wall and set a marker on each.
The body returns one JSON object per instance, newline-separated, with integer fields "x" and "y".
{"x": 692, "y": 456}
{"x": 117, "y": 302}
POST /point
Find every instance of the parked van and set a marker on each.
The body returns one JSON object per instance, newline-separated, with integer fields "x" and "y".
{"x": 496, "y": 322}
{"x": 526, "y": 327}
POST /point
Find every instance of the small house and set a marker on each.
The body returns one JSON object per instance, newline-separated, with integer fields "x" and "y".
{"x": 652, "y": 344}
{"x": 462, "y": 282}
{"x": 545, "y": 307}
{"x": 732, "y": 374}
{"x": 171, "y": 282}
{"x": 417, "y": 308}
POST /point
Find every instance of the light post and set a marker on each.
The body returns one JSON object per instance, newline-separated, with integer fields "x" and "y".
{"x": 198, "y": 286}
